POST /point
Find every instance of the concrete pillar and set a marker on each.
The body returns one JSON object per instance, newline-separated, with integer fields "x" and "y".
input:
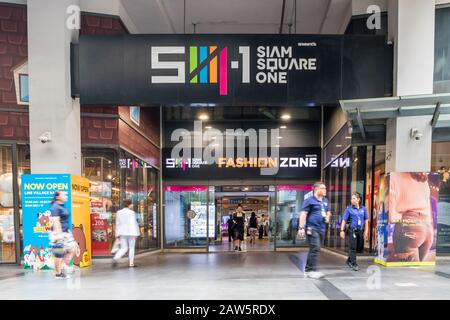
{"x": 51, "y": 107}
{"x": 404, "y": 153}
{"x": 411, "y": 28}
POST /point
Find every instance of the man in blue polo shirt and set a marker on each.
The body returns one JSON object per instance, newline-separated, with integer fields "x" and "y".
{"x": 315, "y": 213}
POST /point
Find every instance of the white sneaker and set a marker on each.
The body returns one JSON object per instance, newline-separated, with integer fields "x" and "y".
{"x": 314, "y": 275}
{"x": 69, "y": 270}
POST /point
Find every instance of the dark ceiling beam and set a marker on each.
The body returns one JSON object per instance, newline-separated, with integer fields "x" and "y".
{"x": 436, "y": 114}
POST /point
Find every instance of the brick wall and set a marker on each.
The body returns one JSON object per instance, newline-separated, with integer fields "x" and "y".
{"x": 149, "y": 121}
{"x": 137, "y": 144}
{"x": 14, "y": 126}
{"x": 13, "y": 49}
{"x": 99, "y": 130}
{"x": 13, "y": 53}
{"x": 93, "y": 24}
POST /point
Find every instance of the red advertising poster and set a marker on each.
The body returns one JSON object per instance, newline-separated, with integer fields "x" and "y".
{"x": 99, "y": 227}
{"x": 100, "y": 217}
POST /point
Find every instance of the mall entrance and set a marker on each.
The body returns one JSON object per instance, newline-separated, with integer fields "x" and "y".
{"x": 254, "y": 199}
{"x": 196, "y": 216}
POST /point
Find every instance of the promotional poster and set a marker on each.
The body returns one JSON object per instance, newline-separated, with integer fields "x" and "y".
{"x": 407, "y": 219}
{"x": 37, "y": 193}
{"x": 81, "y": 223}
{"x": 100, "y": 211}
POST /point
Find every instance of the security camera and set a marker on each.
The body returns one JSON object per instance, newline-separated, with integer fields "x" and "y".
{"x": 45, "y": 137}
{"x": 415, "y": 134}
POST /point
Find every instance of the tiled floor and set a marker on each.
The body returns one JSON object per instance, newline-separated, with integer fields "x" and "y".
{"x": 250, "y": 275}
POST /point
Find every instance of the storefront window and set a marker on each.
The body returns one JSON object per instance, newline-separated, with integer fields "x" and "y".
{"x": 141, "y": 186}
{"x": 185, "y": 216}
{"x": 23, "y": 167}
{"x": 440, "y": 162}
{"x": 7, "y": 234}
{"x": 378, "y": 172}
{"x": 113, "y": 179}
{"x": 346, "y": 174}
{"x": 100, "y": 167}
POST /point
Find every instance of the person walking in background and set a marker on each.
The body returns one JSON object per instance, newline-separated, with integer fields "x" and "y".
{"x": 230, "y": 227}
{"x": 238, "y": 227}
{"x": 315, "y": 213}
{"x": 253, "y": 227}
{"x": 266, "y": 227}
{"x": 262, "y": 223}
{"x": 356, "y": 218}
{"x": 127, "y": 229}
{"x": 61, "y": 239}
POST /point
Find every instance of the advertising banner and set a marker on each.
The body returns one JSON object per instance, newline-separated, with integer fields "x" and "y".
{"x": 234, "y": 70}
{"x": 101, "y": 216}
{"x": 37, "y": 193}
{"x": 302, "y": 163}
{"x": 81, "y": 224}
{"x": 444, "y": 214}
{"x": 407, "y": 215}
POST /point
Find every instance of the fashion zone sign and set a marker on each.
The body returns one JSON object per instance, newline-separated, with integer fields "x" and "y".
{"x": 235, "y": 153}
{"x": 207, "y": 70}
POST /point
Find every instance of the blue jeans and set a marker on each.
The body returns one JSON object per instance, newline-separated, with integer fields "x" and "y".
{"x": 315, "y": 240}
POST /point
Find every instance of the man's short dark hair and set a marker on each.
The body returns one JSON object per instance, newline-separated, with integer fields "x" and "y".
{"x": 317, "y": 185}
{"x": 127, "y": 202}
{"x": 239, "y": 205}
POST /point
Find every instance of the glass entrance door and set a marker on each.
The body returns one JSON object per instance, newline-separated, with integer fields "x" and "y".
{"x": 186, "y": 219}
{"x": 258, "y": 199}
{"x": 289, "y": 203}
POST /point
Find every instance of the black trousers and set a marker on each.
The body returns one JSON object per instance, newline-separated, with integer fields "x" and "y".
{"x": 260, "y": 232}
{"x": 315, "y": 241}
{"x": 355, "y": 239}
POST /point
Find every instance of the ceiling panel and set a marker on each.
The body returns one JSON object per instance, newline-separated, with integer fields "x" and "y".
{"x": 236, "y": 16}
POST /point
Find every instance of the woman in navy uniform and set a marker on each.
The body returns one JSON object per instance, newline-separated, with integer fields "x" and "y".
{"x": 356, "y": 217}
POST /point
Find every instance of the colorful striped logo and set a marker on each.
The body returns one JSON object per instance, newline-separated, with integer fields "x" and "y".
{"x": 181, "y": 163}
{"x": 208, "y": 64}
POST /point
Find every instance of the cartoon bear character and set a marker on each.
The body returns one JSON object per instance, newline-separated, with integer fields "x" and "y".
{"x": 44, "y": 220}
{"x": 80, "y": 238}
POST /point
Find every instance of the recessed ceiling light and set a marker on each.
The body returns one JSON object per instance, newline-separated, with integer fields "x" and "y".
{"x": 203, "y": 116}
{"x": 339, "y": 146}
{"x": 283, "y": 127}
{"x": 280, "y": 137}
{"x": 348, "y": 137}
{"x": 286, "y": 116}
{"x": 208, "y": 127}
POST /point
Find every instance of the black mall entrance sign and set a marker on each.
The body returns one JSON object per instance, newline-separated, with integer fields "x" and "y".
{"x": 209, "y": 70}
{"x": 298, "y": 163}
